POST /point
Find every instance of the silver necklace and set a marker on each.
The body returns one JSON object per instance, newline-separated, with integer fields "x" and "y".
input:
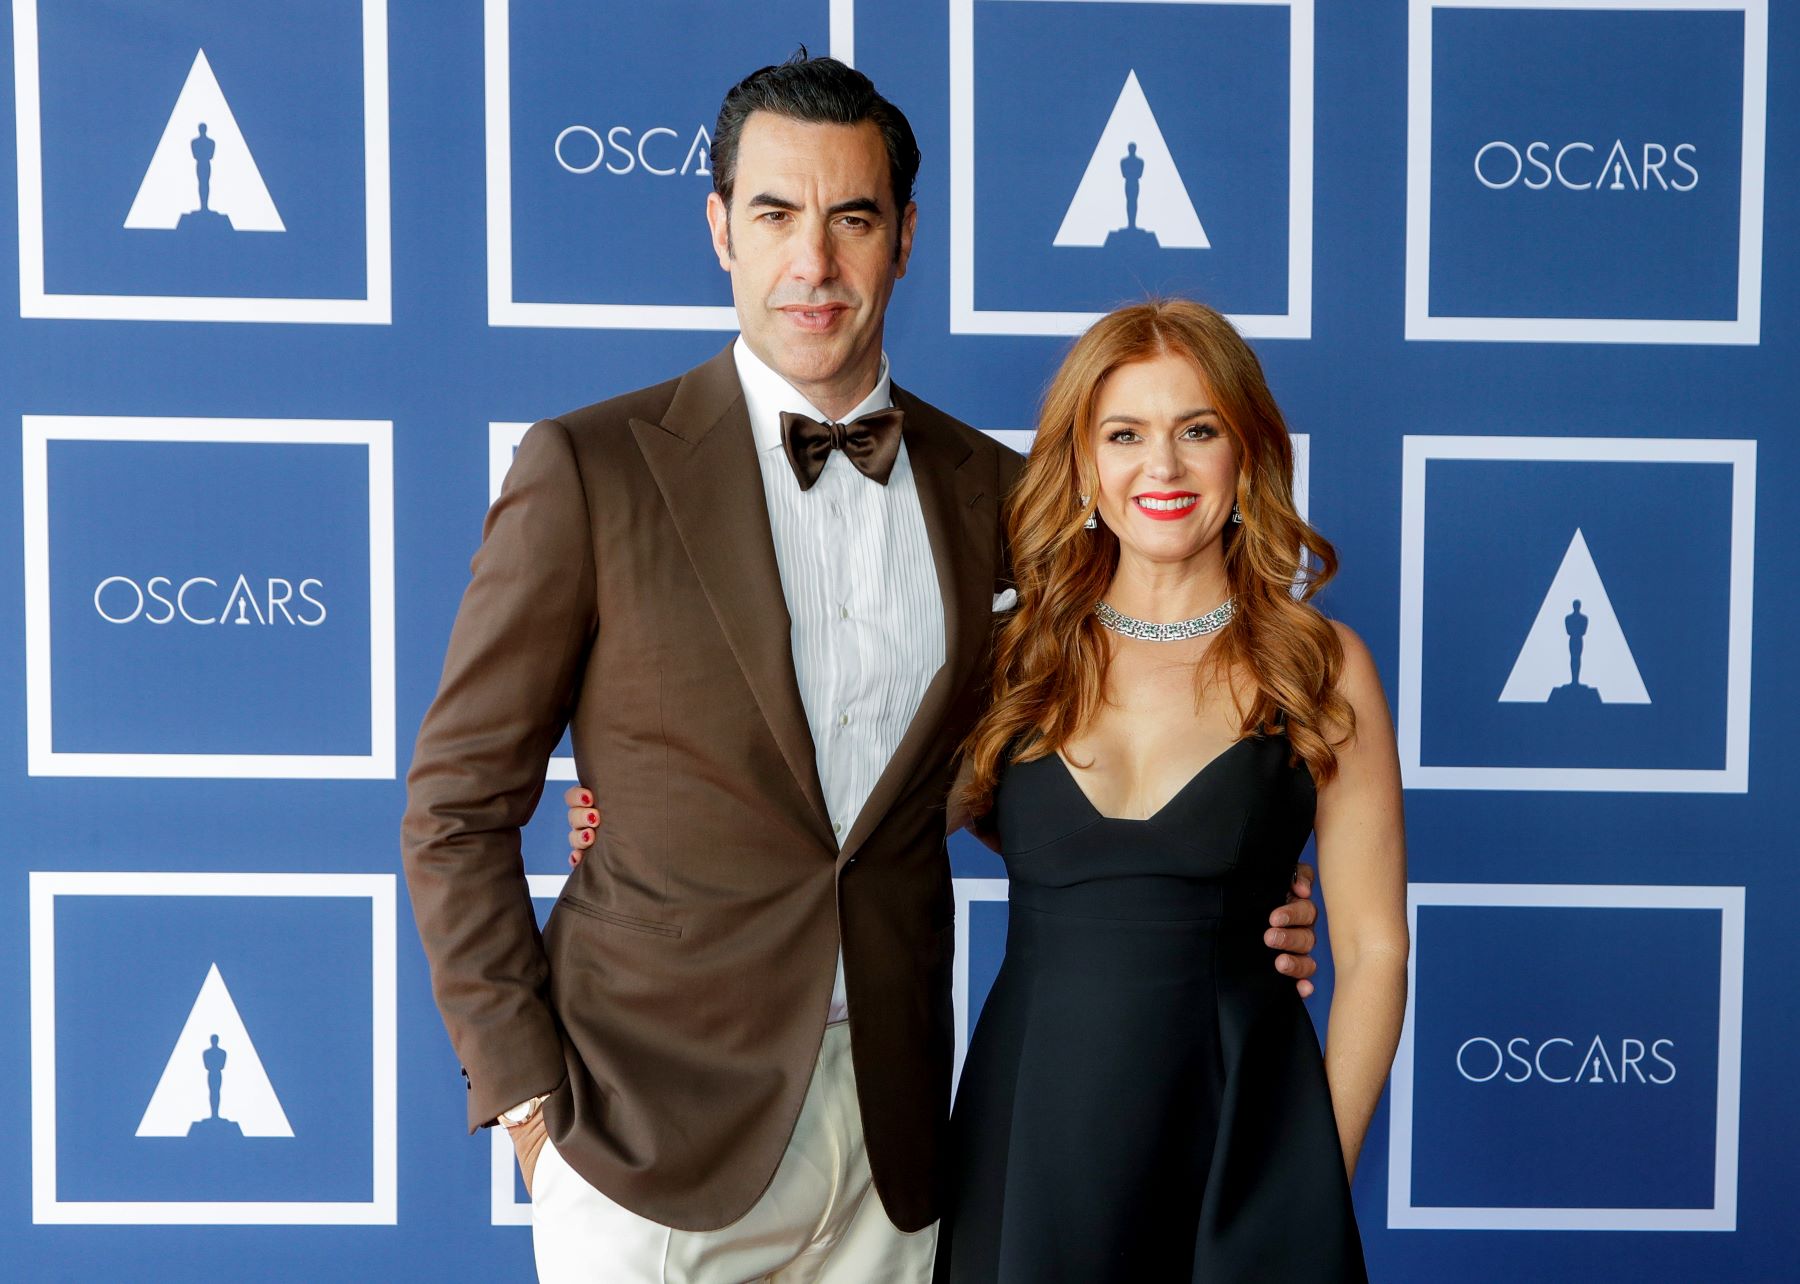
{"x": 1179, "y": 631}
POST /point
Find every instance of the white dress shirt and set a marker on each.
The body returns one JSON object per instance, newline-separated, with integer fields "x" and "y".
{"x": 861, "y": 589}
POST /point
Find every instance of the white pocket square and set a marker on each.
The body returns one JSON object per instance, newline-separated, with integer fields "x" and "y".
{"x": 1006, "y": 599}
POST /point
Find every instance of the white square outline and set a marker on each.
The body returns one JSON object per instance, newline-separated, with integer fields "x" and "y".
{"x": 966, "y": 318}
{"x": 1722, "y": 1216}
{"x": 375, "y": 308}
{"x": 44, "y": 760}
{"x": 380, "y": 1210}
{"x": 1734, "y": 776}
{"x": 1745, "y": 328}
{"x": 503, "y": 308}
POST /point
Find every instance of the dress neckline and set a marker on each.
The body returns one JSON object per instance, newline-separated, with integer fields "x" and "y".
{"x": 1069, "y": 774}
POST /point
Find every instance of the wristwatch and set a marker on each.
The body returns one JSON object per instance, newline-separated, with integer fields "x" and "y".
{"x": 522, "y": 1113}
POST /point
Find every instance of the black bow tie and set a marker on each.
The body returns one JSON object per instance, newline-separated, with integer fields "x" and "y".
{"x": 872, "y": 443}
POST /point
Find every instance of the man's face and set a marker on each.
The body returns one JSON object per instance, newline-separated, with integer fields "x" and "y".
{"x": 814, "y": 245}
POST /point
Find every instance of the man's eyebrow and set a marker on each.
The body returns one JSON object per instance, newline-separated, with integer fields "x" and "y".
{"x": 855, "y": 205}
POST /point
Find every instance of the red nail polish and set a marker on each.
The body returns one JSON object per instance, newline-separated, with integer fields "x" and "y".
{"x": 593, "y": 818}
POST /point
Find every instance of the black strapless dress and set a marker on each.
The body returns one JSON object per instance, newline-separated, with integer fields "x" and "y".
{"x": 1144, "y": 1099}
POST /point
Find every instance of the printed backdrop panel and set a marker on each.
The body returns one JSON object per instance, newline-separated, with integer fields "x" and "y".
{"x": 1538, "y": 666}
{"x": 1517, "y": 1053}
{"x": 212, "y": 153}
{"x": 250, "y": 987}
{"x": 136, "y": 105}
{"x": 1549, "y": 203}
{"x": 1503, "y": 264}
{"x": 1546, "y": 186}
{"x": 192, "y": 613}
{"x": 1125, "y": 170}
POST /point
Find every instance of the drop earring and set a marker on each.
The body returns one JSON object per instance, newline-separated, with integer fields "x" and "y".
{"x": 1237, "y": 516}
{"x": 1093, "y": 519}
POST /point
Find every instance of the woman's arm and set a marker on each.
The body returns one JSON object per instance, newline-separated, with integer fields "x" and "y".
{"x": 1362, "y": 872}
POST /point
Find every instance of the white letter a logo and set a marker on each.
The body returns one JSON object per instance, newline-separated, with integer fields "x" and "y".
{"x": 1131, "y": 192}
{"x": 1576, "y": 648}
{"x": 214, "y": 1082}
{"x": 202, "y": 144}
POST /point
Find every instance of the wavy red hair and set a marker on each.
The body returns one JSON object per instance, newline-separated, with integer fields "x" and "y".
{"x": 1281, "y": 657}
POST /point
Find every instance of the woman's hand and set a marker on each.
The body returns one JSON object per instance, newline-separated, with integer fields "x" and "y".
{"x": 1291, "y": 931}
{"x": 584, "y": 820}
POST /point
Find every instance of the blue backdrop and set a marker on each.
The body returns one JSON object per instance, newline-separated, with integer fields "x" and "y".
{"x": 1521, "y": 278}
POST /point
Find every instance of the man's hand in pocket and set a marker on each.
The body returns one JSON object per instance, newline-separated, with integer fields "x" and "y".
{"x": 528, "y": 1143}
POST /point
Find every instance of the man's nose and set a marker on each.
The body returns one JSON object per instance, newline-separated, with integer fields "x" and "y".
{"x": 813, "y": 259}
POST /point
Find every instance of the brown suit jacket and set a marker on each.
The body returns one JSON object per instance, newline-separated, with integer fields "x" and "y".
{"x": 674, "y": 1006}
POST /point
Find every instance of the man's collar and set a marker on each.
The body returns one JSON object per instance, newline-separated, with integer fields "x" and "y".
{"x": 767, "y": 395}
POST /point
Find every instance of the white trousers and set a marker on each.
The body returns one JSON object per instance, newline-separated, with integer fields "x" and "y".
{"x": 820, "y": 1221}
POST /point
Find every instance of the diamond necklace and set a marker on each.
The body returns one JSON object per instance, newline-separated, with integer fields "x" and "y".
{"x": 1179, "y": 631}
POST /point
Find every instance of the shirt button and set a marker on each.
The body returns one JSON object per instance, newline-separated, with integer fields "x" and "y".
{"x": 837, "y": 826}
{"x": 843, "y": 719}
{"x": 843, "y": 612}
{"x": 837, "y": 510}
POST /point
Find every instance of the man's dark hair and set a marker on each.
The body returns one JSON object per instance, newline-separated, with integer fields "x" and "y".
{"x": 820, "y": 91}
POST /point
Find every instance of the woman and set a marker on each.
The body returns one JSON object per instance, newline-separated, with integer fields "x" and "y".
{"x": 1143, "y": 1098}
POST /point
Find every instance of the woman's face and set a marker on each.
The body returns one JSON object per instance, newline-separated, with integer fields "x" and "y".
{"x": 1167, "y": 466}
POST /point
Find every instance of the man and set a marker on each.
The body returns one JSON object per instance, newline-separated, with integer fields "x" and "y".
{"x": 728, "y": 1057}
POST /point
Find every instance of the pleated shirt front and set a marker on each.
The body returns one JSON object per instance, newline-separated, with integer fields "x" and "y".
{"x": 862, "y": 594}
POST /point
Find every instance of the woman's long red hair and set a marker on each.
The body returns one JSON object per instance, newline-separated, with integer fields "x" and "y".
{"x": 1280, "y": 655}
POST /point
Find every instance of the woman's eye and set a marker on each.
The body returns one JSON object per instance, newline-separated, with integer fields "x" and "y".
{"x": 1124, "y": 435}
{"x": 1200, "y": 432}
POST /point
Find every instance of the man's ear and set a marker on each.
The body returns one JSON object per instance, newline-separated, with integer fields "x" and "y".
{"x": 719, "y": 219}
{"x": 909, "y": 220}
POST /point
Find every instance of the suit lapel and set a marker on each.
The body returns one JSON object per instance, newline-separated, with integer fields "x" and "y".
{"x": 959, "y": 519}
{"x": 703, "y": 457}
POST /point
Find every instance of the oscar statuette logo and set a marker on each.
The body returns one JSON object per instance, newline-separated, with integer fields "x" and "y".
{"x": 1131, "y": 195}
{"x": 203, "y": 177}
